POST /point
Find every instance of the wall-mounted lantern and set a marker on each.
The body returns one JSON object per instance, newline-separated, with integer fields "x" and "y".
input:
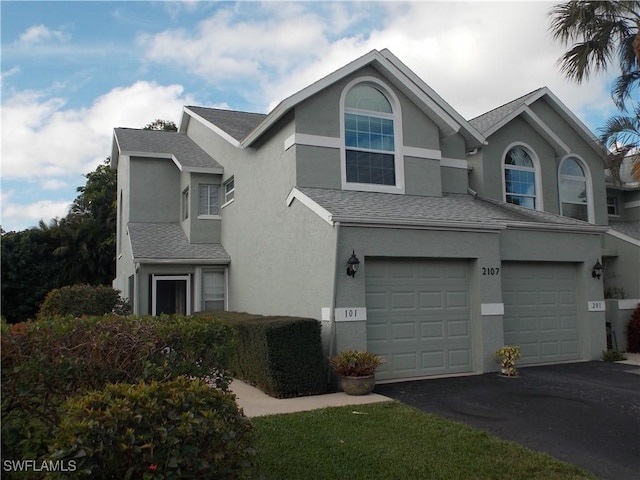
{"x": 597, "y": 270}
{"x": 352, "y": 264}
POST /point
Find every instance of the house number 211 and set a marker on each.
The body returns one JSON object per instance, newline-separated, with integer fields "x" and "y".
{"x": 491, "y": 271}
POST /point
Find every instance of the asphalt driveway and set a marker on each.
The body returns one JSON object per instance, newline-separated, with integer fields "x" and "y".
{"x": 587, "y": 413}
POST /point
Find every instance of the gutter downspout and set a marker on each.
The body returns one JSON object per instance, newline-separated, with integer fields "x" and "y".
{"x": 332, "y": 314}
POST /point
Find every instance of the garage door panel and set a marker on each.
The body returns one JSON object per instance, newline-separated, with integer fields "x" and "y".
{"x": 541, "y": 311}
{"x": 426, "y": 314}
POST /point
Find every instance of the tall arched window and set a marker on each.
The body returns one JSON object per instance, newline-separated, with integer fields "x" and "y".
{"x": 520, "y": 178}
{"x": 573, "y": 187}
{"x": 369, "y": 136}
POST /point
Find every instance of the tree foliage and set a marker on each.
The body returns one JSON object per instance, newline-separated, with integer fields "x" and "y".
{"x": 165, "y": 125}
{"x": 600, "y": 33}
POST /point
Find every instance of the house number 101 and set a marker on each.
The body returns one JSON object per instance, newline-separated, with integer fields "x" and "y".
{"x": 350, "y": 313}
{"x": 491, "y": 271}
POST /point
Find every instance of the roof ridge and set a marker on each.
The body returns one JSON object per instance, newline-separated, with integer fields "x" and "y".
{"x": 514, "y": 101}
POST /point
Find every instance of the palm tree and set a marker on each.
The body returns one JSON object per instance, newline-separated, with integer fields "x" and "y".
{"x": 621, "y": 135}
{"x": 600, "y": 30}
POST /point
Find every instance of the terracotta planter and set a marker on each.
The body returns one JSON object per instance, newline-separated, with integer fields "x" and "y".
{"x": 358, "y": 385}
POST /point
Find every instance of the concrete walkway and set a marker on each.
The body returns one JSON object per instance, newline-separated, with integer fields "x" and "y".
{"x": 256, "y": 403}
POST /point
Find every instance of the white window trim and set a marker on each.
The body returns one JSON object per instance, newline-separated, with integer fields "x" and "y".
{"x": 536, "y": 167}
{"x": 205, "y": 215}
{"x": 155, "y": 278}
{"x": 587, "y": 178}
{"x": 226, "y": 193}
{"x": 399, "y": 187}
{"x": 197, "y": 294}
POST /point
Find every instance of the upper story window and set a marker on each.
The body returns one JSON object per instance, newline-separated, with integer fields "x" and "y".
{"x": 209, "y": 202}
{"x": 369, "y": 137}
{"x": 229, "y": 190}
{"x": 573, "y": 187}
{"x": 520, "y": 178}
{"x": 612, "y": 205}
{"x": 185, "y": 203}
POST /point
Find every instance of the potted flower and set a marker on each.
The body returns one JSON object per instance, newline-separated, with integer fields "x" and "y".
{"x": 356, "y": 369}
{"x": 507, "y": 357}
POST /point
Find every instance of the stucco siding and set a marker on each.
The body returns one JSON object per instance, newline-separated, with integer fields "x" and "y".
{"x": 154, "y": 190}
{"x": 622, "y": 265}
{"x": 317, "y": 166}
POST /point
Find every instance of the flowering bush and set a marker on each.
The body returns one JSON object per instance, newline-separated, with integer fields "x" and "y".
{"x": 507, "y": 356}
{"x": 355, "y": 363}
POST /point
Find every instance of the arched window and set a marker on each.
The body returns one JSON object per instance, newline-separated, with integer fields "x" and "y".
{"x": 520, "y": 178}
{"x": 369, "y": 136}
{"x": 573, "y": 187}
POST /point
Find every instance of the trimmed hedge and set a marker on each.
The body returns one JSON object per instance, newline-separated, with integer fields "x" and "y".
{"x": 80, "y": 300}
{"x": 176, "y": 429}
{"x": 283, "y": 356}
{"x": 47, "y": 361}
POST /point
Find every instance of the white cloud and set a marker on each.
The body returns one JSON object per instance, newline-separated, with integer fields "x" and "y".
{"x": 16, "y": 217}
{"x": 476, "y": 55}
{"x": 42, "y": 34}
{"x": 42, "y": 139}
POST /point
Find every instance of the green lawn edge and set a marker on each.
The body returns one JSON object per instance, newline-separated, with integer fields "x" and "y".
{"x": 390, "y": 440}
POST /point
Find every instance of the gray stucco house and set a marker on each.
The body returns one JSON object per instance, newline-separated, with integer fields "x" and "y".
{"x": 469, "y": 234}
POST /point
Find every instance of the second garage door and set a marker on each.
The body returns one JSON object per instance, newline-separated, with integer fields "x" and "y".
{"x": 418, "y": 316}
{"x": 540, "y": 311}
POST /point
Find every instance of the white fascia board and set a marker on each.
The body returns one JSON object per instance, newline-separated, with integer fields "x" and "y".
{"x": 288, "y": 103}
{"x": 634, "y": 204}
{"x": 551, "y": 227}
{"x": 214, "y": 170}
{"x": 570, "y": 118}
{"x": 626, "y": 238}
{"x": 402, "y": 74}
{"x": 450, "y": 111}
{"x": 214, "y": 128}
{"x": 296, "y": 194}
{"x": 419, "y": 224}
{"x": 537, "y": 123}
{"x": 180, "y": 261}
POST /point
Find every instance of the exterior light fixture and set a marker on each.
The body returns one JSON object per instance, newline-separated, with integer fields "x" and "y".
{"x": 352, "y": 264}
{"x": 597, "y": 270}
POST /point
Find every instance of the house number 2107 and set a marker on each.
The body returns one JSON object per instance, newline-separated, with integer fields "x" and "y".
{"x": 492, "y": 271}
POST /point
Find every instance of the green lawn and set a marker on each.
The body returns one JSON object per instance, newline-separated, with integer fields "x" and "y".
{"x": 392, "y": 441}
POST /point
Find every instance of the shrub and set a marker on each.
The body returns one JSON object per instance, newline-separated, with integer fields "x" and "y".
{"x": 45, "y": 362}
{"x": 80, "y": 300}
{"x": 282, "y": 356}
{"x": 612, "y": 356}
{"x": 633, "y": 332}
{"x": 176, "y": 429}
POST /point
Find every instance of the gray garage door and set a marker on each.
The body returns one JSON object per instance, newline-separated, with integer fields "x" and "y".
{"x": 540, "y": 312}
{"x": 418, "y": 316}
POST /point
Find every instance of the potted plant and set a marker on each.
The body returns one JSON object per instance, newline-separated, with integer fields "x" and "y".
{"x": 507, "y": 357}
{"x": 356, "y": 369}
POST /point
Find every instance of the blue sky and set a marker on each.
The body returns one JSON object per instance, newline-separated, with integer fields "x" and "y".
{"x": 73, "y": 71}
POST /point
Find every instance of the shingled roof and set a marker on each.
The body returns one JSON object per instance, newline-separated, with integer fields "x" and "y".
{"x": 158, "y": 242}
{"x": 485, "y": 122}
{"x": 177, "y": 146}
{"x": 236, "y": 124}
{"x": 450, "y": 210}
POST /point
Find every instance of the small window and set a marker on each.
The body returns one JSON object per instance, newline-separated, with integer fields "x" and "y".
{"x": 520, "y": 178}
{"x": 213, "y": 286}
{"x": 229, "y": 190}
{"x": 185, "y": 203}
{"x": 612, "y": 205}
{"x": 574, "y": 199}
{"x": 209, "y": 202}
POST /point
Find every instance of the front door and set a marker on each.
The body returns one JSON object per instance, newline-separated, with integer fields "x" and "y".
{"x": 171, "y": 294}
